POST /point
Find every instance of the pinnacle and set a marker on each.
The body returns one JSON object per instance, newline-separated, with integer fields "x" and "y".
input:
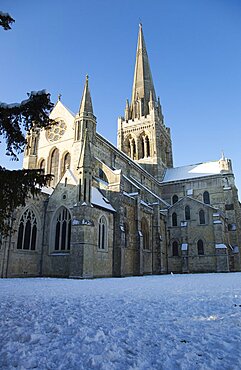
{"x": 86, "y": 102}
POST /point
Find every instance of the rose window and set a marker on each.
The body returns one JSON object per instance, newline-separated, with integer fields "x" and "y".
{"x": 55, "y": 132}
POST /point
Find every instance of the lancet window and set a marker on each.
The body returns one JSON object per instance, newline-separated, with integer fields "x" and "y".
{"x": 66, "y": 163}
{"x": 206, "y": 197}
{"x": 187, "y": 213}
{"x": 54, "y": 165}
{"x": 174, "y": 219}
{"x": 201, "y": 217}
{"x": 102, "y": 236}
{"x": 200, "y": 247}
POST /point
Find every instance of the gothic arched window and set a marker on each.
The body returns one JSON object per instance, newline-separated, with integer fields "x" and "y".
{"x": 66, "y": 163}
{"x": 201, "y": 217}
{"x": 102, "y": 236}
{"x": 27, "y": 231}
{"x": 62, "y": 230}
{"x": 42, "y": 165}
{"x": 174, "y": 219}
{"x": 200, "y": 248}
{"x": 145, "y": 234}
{"x": 175, "y": 248}
{"x": 187, "y": 213}
{"x": 206, "y": 197}
{"x": 54, "y": 165}
{"x": 174, "y": 199}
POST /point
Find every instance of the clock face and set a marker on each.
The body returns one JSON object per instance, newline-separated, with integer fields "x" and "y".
{"x": 56, "y": 131}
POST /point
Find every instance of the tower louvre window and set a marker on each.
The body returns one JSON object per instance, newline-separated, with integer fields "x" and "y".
{"x": 27, "y": 231}
{"x": 147, "y": 146}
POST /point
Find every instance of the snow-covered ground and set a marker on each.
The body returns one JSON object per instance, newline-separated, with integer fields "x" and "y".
{"x": 155, "y": 322}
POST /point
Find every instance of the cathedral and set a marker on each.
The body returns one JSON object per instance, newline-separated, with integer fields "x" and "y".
{"x": 125, "y": 210}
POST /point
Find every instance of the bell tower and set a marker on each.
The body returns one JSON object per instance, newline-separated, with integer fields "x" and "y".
{"x": 142, "y": 134}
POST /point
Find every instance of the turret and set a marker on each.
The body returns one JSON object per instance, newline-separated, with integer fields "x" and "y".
{"x": 85, "y": 118}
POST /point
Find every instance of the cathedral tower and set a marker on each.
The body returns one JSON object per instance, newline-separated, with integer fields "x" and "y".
{"x": 142, "y": 134}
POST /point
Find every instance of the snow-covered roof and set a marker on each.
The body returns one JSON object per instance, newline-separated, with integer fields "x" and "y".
{"x": 47, "y": 190}
{"x": 220, "y": 246}
{"x": 99, "y": 200}
{"x": 192, "y": 171}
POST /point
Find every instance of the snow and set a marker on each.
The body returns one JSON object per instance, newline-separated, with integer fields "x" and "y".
{"x": 184, "y": 246}
{"x": 99, "y": 200}
{"x": 192, "y": 171}
{"x": 184, "y": 322}
{"x": 47, "y": 190}
{"x": 23, "y": 102}
{"x": 4, "y": 14}
{"x": 220, "y": 246}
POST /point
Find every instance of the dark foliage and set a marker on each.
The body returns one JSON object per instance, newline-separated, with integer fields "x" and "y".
{"x": 30, "y": 113}
{"x": 5, "y": 21}
{"x": 15, "y": 187}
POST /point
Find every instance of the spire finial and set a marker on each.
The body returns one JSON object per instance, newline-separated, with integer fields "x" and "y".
{"x": 143, "y": 83}
{"x": 59, "y": 97}
{"x": 86, "y": 103}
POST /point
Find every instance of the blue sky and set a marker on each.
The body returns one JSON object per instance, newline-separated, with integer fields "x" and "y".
{"x": 194, "y": 52}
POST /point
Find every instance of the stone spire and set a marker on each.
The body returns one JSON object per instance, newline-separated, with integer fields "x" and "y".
{"x": 86, "y": 102}
{"x": 143, "y": 84}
